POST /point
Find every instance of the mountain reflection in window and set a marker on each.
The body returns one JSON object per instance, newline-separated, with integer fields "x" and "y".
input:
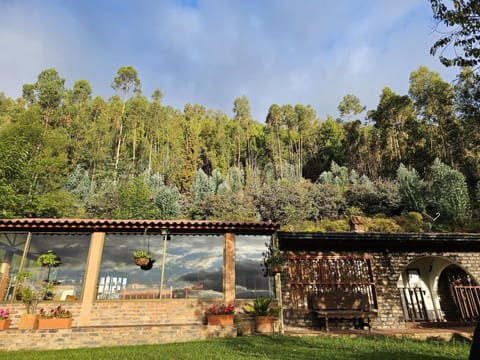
{"x": 192, "y": 269}
{"x": 250, "y": 281}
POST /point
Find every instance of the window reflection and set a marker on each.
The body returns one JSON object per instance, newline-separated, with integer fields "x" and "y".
{"x": 11, "y": 251}
{"x": 192, "y": 268}
{"x": 67, "y": 278}
{"x": 250, "y": 281}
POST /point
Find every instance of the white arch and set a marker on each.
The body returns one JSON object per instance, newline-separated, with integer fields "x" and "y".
{"x": 429, "y": 269}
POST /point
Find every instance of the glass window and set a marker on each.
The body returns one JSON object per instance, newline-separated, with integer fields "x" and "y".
{"x": 11, "y": 251}
{"x": 72, "y": 250}
{"x": 250, "y": 281}
{"x": 193, "y": 267}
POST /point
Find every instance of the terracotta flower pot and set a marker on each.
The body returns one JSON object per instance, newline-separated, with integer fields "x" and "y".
{"x": 55, "y": 323}
{"x": 222, "y": 320}
{"x": 28, "y": 321}
{"x": 264, "y": 324}
{"x": 5, "y": 324}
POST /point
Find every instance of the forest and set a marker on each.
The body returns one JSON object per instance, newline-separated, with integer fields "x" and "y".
{"x": 411, "y": 164}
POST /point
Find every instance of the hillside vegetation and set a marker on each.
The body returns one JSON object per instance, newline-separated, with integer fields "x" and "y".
{"x": 415, "y": 158}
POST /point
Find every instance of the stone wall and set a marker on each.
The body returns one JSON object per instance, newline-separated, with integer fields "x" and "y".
{"x": 387, "y": 268}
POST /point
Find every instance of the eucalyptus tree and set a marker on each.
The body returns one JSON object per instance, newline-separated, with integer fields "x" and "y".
{"x": 48, "y": 93}
{"x": 330, "y": 138}
{"x": 434, "y": 101}
{"x": 350, "y": 107}
{"x": 243, "y": 121}
{"x": 135, "y": 131}
{"x": 274, "y": 130}
{"x": 467, "y": 90}
{"x": 190, "y": 160}
{"x": 125, "y": 82}
{"x": 391, "y": 118}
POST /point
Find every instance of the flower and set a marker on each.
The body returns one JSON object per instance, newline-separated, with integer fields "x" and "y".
{"x": 221, "y": 309}
{"x": 4, "y": 314}
{"x": 56, "y": 312}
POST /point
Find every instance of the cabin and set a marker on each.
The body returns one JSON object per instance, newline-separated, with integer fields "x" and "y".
{"x": 380, "y": 280}
{"x": 329, "y": 280}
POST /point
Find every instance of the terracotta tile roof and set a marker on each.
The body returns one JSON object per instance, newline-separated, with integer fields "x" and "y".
{"x": 103, "y": 225}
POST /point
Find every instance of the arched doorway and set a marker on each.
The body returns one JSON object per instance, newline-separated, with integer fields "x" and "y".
{"x": 457, "y": 294}
{"x": 434, "y": 288}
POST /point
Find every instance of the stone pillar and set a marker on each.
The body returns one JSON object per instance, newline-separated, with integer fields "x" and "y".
{"x": 229, "y": 268}
{"x": 91, "y": 277}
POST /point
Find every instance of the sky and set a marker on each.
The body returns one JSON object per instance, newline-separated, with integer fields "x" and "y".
{"x": 209, "y": 52}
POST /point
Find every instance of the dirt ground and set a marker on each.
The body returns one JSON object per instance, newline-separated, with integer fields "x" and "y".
{"x": 445, "y": 333}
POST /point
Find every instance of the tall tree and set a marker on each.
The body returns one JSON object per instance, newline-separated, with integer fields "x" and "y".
{"x": 350, "y": 107}
{"x": 434, "y": 101}
{"x": 467, "y": 90}
{"x": 392, "y": 114}
{"x": 243, "y": 121}
{"x": 462, "y": 21}
{"x": 126, "y": 80}
{"x": 48, "y": 92}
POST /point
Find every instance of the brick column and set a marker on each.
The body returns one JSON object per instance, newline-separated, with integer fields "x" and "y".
{"x": 91, "y": 276}
{"x": 229, "y": 268}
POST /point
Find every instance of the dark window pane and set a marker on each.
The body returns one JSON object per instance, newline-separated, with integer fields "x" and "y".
{"x": 250, "y": 281}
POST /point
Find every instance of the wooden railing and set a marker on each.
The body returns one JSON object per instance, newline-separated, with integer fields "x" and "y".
{"x": 413, "y": 303}
{"x": 310, "y": 275}
{"x": 468, "y": 301}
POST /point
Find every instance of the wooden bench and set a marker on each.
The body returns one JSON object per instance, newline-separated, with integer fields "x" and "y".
{"x": 343, "y": 305}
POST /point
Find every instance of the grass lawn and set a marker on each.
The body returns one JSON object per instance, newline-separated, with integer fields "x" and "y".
{"x": 266, "y": 347}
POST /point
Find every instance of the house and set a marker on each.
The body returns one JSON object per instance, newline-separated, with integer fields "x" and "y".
{"x": 393, "y": 279}
{"x": 406, "y": 277}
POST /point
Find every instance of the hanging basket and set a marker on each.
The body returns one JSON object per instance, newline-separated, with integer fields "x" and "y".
{"x": 148, "y": 266}
{"x": 142, "y": 261}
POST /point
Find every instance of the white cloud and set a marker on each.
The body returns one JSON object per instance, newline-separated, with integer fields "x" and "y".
{"x": 277, "y": 51}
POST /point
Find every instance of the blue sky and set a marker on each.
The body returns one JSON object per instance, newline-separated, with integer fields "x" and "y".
{"x": 211, "y": 51}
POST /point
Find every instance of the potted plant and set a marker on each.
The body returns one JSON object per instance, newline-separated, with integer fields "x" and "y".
{"x": 30, "y": 293}
{"x": 143, "y": 259}
{"x": 49, "y": 260}
{"x": 4, "y": 319}
{"x": 264, "y": 313}
{"x": 55, "y": 318}
{"x": 273, "y": 260}
{"x": 220, "y": 315}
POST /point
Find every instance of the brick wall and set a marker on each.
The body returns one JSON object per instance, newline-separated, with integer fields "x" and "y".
{"x": 78, "y": 337}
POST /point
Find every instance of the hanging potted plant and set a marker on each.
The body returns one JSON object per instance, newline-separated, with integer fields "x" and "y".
{"x": 273, "y": 261}
{"x": 55, "y": 318}
{"x": 4, "y": 319}
{"x": 222, "y": 315}
{"x": 49, "y": 260}
{"x": 143, "y": 259}
{"x": 264, "y": 314}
